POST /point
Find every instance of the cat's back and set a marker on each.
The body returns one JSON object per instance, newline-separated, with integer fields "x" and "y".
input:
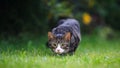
{"x": 73, "y": 25}
{"x": 69, "y": 22}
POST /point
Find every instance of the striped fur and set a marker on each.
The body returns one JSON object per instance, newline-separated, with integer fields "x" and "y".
{"x": 67, "y": 33}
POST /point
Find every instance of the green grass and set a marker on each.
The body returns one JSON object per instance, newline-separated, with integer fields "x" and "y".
{"x": 93, "y": 52}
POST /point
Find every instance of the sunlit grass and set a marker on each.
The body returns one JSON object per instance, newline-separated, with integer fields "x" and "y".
{"x": 93, "y": 52}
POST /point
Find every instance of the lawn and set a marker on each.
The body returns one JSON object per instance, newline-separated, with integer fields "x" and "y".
{"x": 93, "y": 52}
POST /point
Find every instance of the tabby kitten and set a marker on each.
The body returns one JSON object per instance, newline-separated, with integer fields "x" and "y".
{"x": 64, "y": 38}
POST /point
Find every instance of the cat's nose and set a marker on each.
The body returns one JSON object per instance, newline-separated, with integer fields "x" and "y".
{"x": 58, "y": 50}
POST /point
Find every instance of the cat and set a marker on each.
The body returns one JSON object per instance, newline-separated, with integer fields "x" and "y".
{"x": 65, "y": 38}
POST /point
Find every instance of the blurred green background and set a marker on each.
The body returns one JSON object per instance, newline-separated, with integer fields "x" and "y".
{"x": 36, "y": 17}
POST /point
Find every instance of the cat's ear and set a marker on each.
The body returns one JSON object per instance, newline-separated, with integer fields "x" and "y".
{"x": 67, "y": 36}
{"x": 50, "y": 35}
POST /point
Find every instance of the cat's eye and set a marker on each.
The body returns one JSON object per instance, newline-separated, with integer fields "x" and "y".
{"x": 64, "y": 45}
{"x": 54, "y": 44}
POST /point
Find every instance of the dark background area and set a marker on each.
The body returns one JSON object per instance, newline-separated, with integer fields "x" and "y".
{"x": 36, "y": 17}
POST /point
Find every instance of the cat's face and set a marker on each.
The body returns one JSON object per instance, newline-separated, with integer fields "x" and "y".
{"x": 60, "y": 45}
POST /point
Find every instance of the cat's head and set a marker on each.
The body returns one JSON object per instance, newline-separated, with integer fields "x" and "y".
{"x": 59, "y": 45}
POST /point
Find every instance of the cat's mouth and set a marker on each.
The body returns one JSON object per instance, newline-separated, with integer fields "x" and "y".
{"x": 59, "y": 50}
